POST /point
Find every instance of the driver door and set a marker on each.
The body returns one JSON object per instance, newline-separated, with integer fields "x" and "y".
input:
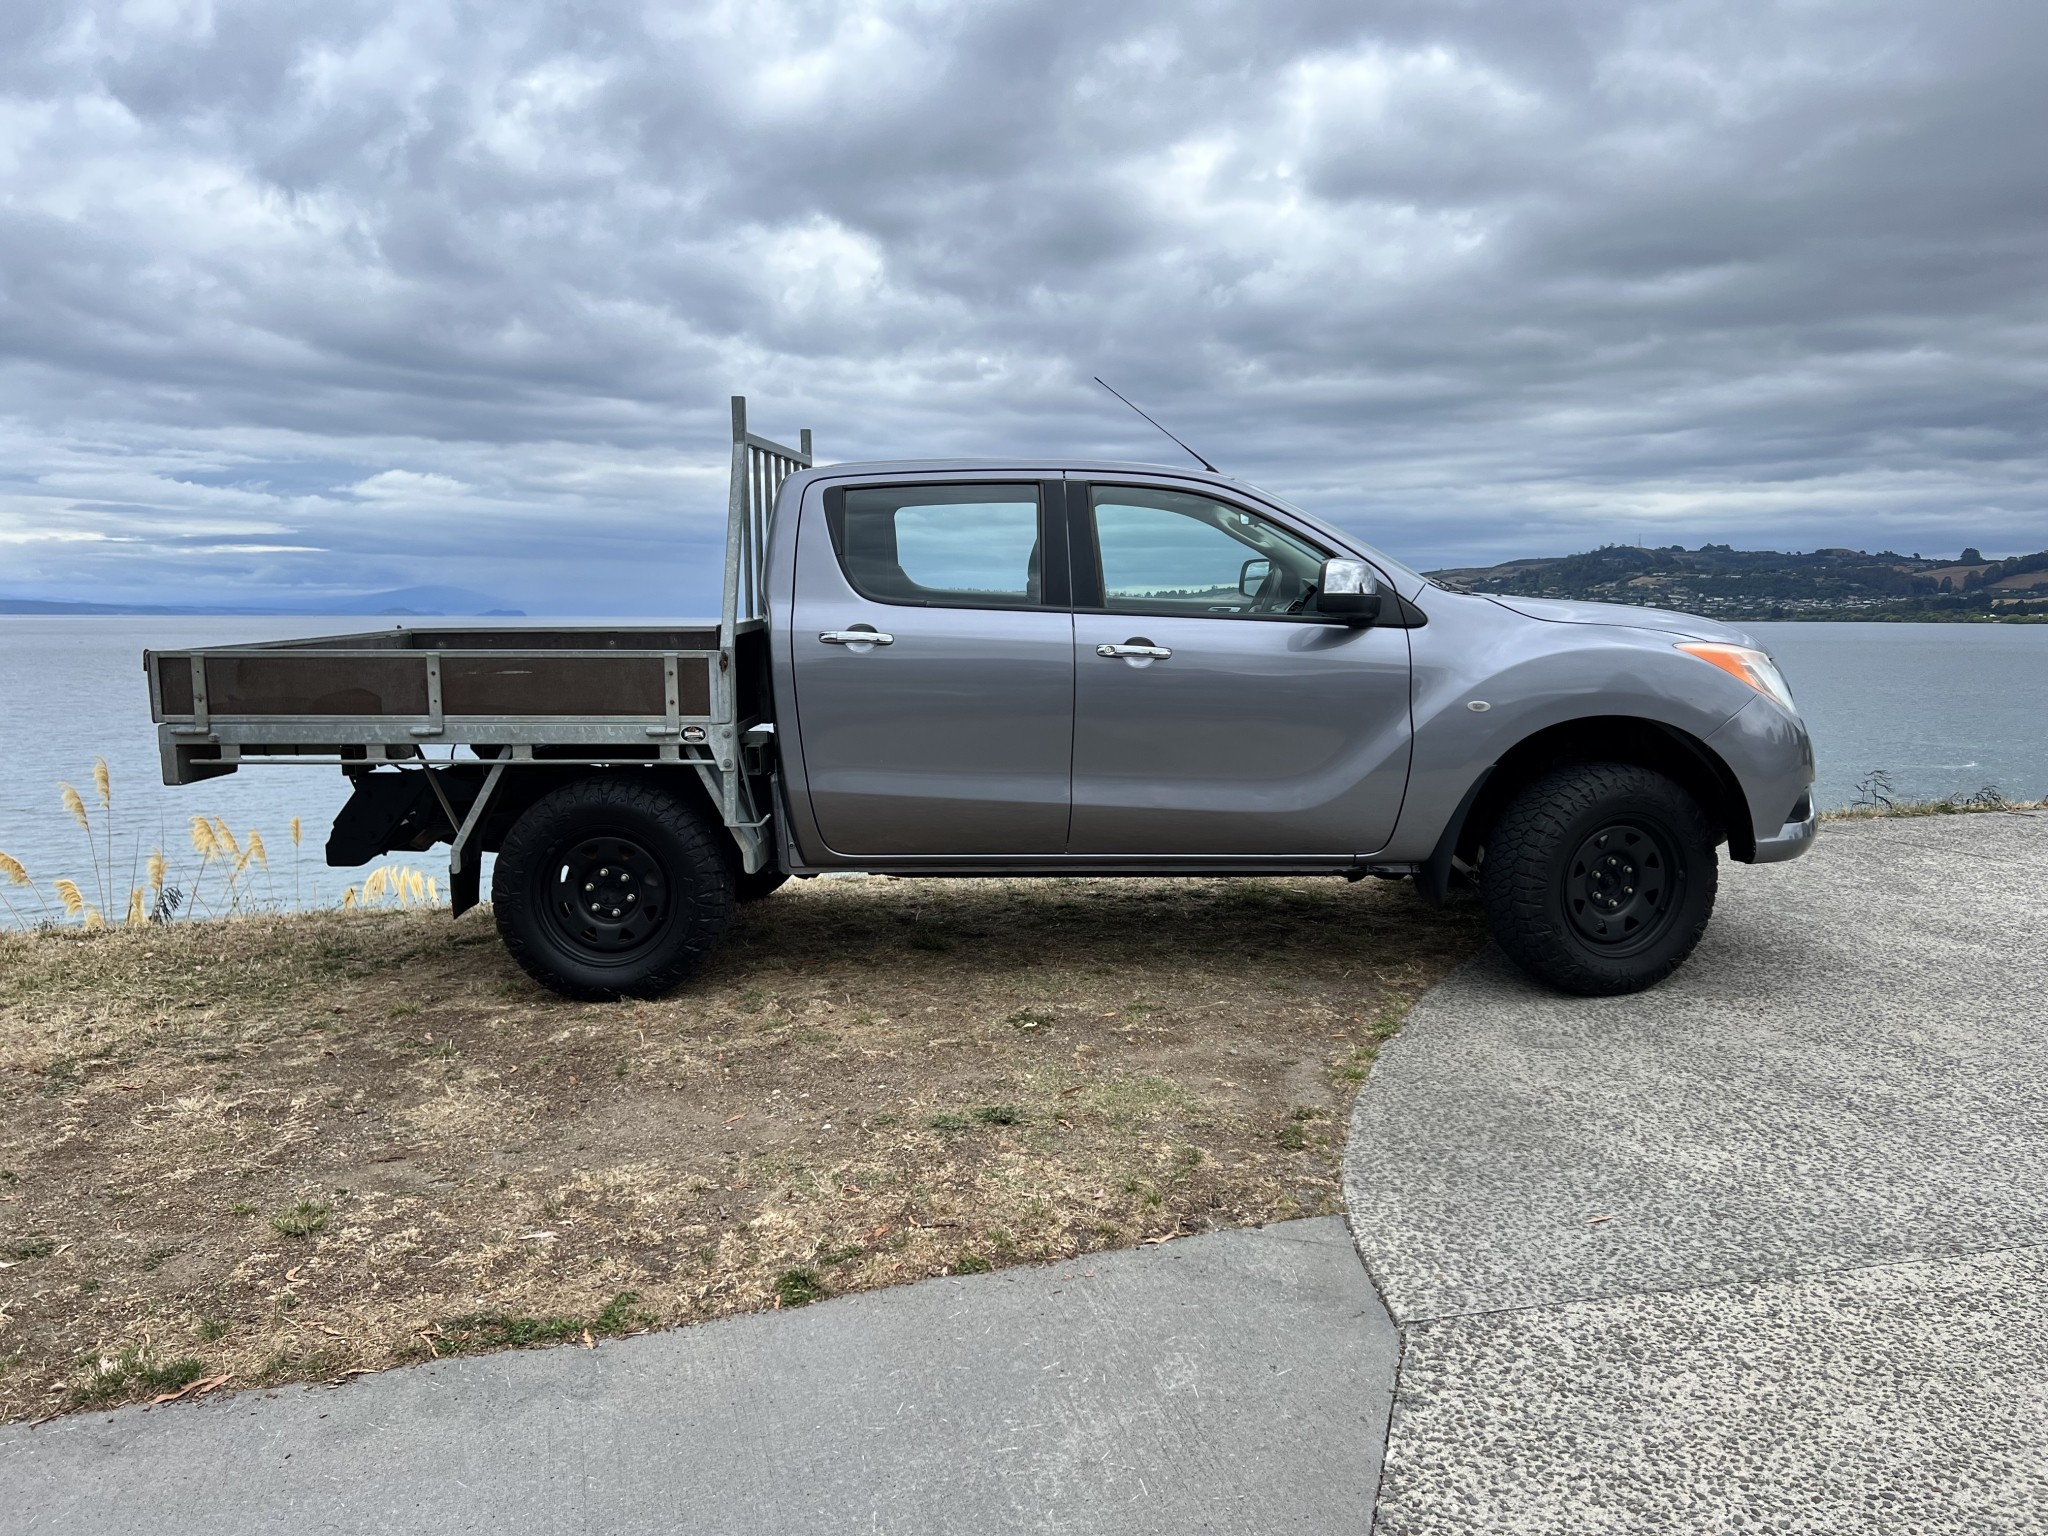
{"x": 1210, "y": 717}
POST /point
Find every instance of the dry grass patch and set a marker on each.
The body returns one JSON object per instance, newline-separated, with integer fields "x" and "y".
{"x": 283, "y": 1149}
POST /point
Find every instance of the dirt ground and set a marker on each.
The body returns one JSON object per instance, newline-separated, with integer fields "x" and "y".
{"x": 294, "y": 1148}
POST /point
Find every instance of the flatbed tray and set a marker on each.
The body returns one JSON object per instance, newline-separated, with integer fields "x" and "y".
{"x": 504, "y": 686}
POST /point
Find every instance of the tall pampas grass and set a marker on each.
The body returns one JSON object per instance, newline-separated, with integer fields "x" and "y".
{"x": 207, "y": 846}
{"x": 75, "y": 804}
{"x": 398, "y": 884}
{"x": 16, "y": 874}
{"x": 103, "y": 786}
{"x": 162, "y": 884}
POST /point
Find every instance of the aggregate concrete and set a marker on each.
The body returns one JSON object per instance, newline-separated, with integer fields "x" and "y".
{"x": 1908, "y": 1398}
{"x": 1849, "y": 1070}
{"x": 1233, "y": 1383}
{"x": 1759, "y": 1250}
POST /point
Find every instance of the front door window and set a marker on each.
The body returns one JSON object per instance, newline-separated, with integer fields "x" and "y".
{"x": 1178, "y": 554}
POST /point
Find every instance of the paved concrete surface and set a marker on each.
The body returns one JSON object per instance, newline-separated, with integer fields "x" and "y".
{"x": 1233, "y": 1383}
{"x": 1813, "y": 1297}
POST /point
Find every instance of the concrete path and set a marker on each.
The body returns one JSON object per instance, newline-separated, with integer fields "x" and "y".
{"x": 1765, "y": 1249}
{"x": 1233, "y": 1383}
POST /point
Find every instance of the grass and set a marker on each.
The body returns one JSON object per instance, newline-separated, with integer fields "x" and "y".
{"x": 829, "y": 1108}
{"x": 130, "y": 1375}
{"x": 302, "y": 1220}
{"x": 798, "y": 1288}
{"x": 1876, "y": 798}
{"x": 1957, "y": 805}
{"x": 475, "y": 1332}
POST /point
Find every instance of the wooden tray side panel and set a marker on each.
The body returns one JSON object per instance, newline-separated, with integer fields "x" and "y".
{"x": 567, "y": 685}
{"x": 312, "y": 685}
{"x": 173, "y": 684}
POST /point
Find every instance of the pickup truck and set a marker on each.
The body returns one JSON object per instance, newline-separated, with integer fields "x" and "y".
{"x": 1018, "y": 667}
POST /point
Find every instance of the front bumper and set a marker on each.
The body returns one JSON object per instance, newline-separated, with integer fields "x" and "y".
{"x": 1794, "y": 838}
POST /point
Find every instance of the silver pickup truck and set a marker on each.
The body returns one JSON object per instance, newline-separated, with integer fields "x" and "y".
{"x": 1012, "y": 667}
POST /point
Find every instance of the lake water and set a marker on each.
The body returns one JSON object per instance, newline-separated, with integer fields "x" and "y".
{"x": 1941, "y": 708}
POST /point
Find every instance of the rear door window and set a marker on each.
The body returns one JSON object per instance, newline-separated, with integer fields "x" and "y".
{"x": 956, "y": 546}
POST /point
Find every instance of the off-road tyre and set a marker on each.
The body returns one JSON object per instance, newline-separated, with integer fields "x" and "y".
{"x": 605, "y": 845}
{"x": 765, "y": 882}
{"x": 1599, "y": 878}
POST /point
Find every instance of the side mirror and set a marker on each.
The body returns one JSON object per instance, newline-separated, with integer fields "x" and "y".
{"x": 1348, "y": 590}
{"x": 1252, "y": 575}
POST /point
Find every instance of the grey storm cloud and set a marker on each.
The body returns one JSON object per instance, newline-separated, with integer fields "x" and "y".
{"x": 304, "y": 298}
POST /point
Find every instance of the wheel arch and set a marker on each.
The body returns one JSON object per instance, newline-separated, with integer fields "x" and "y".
{"x": 1677, "y": 754}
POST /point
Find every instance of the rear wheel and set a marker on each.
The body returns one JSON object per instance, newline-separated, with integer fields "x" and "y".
{"x": 609, "y": 887}
{"x": 1599, "y": 878}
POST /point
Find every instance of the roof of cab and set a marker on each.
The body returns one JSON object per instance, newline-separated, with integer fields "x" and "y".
{"x": 1016, "y": 465}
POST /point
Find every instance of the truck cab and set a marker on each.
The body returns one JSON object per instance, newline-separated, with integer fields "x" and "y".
{"x": 1109, "y": 668}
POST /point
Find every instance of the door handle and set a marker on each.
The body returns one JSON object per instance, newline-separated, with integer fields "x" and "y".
{"x": 1135, "y": 652}
{"x": 856, "y": 637}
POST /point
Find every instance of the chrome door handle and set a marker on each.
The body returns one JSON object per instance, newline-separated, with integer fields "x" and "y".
{"x": 856, "y": 637}
{"x": 1134, "y": 652}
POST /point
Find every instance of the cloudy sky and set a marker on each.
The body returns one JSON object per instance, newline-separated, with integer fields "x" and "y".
{"x": 337, "y": 296}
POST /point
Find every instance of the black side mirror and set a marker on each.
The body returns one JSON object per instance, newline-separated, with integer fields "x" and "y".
{"x": 1252, "y": 575}
{"x": 1348, "y": 590}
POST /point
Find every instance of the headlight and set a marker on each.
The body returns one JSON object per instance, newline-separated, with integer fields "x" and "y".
{"x": 1752, "y": 667}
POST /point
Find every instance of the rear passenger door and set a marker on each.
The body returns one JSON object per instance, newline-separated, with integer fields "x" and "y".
{"x": 950, "y": 731}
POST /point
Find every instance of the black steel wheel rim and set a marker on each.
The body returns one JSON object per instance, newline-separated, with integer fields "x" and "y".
{"x": 1622, "y": 886}
{"x": 608, "y": 897}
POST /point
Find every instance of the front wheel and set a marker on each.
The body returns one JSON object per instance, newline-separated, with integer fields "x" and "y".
{"x": 609, "y": 887}
{"x": 1599, "y": 878}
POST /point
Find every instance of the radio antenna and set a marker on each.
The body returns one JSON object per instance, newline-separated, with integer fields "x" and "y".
{"x": 1183, "y": 447}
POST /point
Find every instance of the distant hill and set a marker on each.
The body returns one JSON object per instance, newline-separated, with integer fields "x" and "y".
{"x": 405, "y": 602}
{"x": 1724, "y": 582}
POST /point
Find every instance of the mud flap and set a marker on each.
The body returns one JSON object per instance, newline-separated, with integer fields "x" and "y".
{"x": 464, "y": 885}
{"x": 1433, "y": 883}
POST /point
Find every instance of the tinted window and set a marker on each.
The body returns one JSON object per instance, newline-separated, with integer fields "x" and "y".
{"x": 960, "y": 545}
{"x": 1173, "y": 552}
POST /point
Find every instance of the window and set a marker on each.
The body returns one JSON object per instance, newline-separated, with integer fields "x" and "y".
{"x": 971, "y": 546}
{"x": 1173, "y": 552}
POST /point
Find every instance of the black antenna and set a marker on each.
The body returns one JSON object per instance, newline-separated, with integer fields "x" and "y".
{"x": 1183, "y": 447}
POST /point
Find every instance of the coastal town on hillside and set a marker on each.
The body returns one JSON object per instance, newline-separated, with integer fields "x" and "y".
{"x": 1725, "y": 582}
